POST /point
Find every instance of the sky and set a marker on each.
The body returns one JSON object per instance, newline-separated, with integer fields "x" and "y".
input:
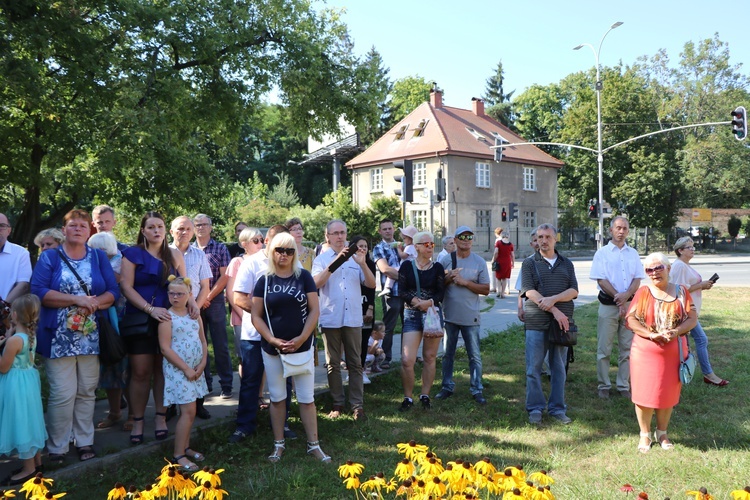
{"x": 459, "y": 43}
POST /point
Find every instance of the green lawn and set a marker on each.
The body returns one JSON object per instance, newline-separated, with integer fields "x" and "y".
{"x": 590, "y": 459}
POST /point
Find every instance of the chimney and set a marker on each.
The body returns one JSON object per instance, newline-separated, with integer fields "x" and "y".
{"x": 436, "y": 97}
{"x": 477, "y": 106}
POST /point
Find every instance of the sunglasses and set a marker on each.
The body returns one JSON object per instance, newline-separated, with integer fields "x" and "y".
{"x": 465, "y": 237}
{"x": 257, "y": 240}
{"x": 285, "y": 251}
{"x": 654, "y": 269}
{"x": 427, "y": 244}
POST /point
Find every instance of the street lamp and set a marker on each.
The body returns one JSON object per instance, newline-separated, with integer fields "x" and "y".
{"x": 599, "y": 157}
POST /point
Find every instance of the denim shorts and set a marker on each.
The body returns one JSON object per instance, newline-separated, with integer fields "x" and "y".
{"x": 414, "y": 320}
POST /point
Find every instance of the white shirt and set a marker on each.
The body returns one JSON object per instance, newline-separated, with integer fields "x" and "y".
{"x": 619, "y": 266}
{"x": 196, "y": 267}
{"x": 684, "y": 274}
{"x": 251, "y": 269}
{"x": 341, "y": 296}
{"x": 15, "y": 266}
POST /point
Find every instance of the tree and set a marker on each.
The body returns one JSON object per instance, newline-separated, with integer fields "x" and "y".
{"x": 734, "y": 224}
{"x": 377, "y": 86}
{"x": 406, "y": 94}
{"x": 123, "y": 102}
{"x": 498, "y": 102}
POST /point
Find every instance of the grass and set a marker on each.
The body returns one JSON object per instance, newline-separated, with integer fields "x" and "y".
{"x": 589, "y": 459}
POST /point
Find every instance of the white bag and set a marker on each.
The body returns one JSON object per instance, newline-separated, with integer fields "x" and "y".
{"x": 433, "y": 329}
{"x": 297, "y": 363}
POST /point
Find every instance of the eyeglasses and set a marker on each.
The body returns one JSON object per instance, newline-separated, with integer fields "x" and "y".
{"x": 654, "y": 269}
{"x": 4, "y": 226}
{"x": 282, "y": 251}
{"x": 689, "y": 248}
{"x": 257, "y": 240}
{"x": 465, "y": 237}
{"x": 296, "y": 228}
{"x": 427, "y": 244}
{"x": 176, "y": 294}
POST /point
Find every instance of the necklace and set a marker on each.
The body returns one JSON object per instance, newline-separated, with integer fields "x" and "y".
{"x": 424, "y": 267}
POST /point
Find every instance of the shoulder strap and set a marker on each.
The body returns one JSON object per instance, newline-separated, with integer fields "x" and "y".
{"x": 538, "y": 276}
{"x": 75, "y": 273}
{"x": 454, "y": 260}
{"x": 265, "y": 305}
{"x": 416, "y": 276}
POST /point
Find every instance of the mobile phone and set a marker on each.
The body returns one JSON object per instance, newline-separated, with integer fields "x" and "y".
{"x": 714, "y": 278}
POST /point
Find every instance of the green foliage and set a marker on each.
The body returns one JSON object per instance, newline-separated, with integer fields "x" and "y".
{"x": 498, "y": 102}
{"x": 283, "y": 193}
{"x": 733, "y": 226}
{"x": 406, "y": 94}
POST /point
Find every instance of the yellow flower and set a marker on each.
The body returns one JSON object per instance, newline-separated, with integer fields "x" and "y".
{"x": 208, "y": 474}
{"x": 48, "y": 496}
{"x": 206, "y": 491}
{"x": 485, "y": 467}
{"x": 412, "y": 450}
{"x": 404, "y": 469}
{"x": 736, "y": 494}
{"x": 436, "y": 487}
{"x": 541, "y": 478}
{"x": 514, "y": 494}
{"x": 701, "y": 494}
{"x": 431, "y": 467}
{"x": 351, "y": 469}
{"x": 506, "y": 480}
{"x": 4, "y": 494}
{"x": 118, "y": 492}
{"x": 37, "y": 485}
{"x": 390, "y": 486}
{"x": 517, "y": 472}
{"x": 351, "y": 483}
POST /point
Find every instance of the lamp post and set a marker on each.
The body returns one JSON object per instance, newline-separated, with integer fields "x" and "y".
{"x": 599, "y": 156}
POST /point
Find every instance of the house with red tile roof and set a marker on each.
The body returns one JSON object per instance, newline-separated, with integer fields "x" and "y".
{"x": 458, "y": 144}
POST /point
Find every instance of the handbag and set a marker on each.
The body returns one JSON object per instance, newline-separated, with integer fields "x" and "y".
{"x": 135, "y": 323}
{"x": 687, "y": 366}
{"x": 111, "y": 346}
{"x": 432, "y": 327}
{"x": 558, "y": 336}
{"x": 494, "y": 265}
{"x": 75, "y": 320}
{"x": 296, "y": 363}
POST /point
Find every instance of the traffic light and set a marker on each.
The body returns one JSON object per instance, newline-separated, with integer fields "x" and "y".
{"x": 512, "y": 211}
{"x": 440, "y": 186}
{"x": 504, "y": 215}
{"x": 407, "y": 180}
{"x": 739, "y": 123}
{"x": 593, "y": 213}
{"x": 498, "y": 151}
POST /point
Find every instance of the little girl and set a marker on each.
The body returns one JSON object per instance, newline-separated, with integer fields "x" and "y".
{"x": 185, "y": 352}
{"x": 21, "y": 414}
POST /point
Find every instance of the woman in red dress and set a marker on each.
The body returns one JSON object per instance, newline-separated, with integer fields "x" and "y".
{"x": 505, "y": 259}
{"x": 660, "y": 315}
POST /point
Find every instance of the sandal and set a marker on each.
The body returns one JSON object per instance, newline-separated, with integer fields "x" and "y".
{"x": 86, "y": 453}
{"x": 108, "y": 421}
{"x": 188, "y": 467}
{"x": 136, "y": 438}
{"x": 161, "y": 434}
{"x": 645, "y": 448}
{"x": 194, "y": 455}
{"x": 278, "y": 448}
{"x": 57, "y": 458}
{"x": 663, "y": 440}
{"x": 128, "y": 425}
{"x": 262, "y": 405}
{"x": 312, "y": 447}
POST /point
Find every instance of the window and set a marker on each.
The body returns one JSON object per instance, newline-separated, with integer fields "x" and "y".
{"x": 376, "y": 180}
{"x": 483, "y": 175}
{"x": 419, "y": 218}
{"x": 419, "y": 131}
{"x": 420, "y": 174}
{"x": 529, "y": 179}
{"x": 401, "y": 132}
{"x": 476, "y": 134}
{"x": 483, "y": 218}
{"x": 529, "y": 219}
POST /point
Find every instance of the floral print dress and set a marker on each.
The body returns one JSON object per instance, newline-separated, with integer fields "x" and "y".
{"x": 186, "y": 343}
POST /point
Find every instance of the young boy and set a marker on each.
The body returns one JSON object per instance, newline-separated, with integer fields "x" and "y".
{"x": 375, "y": 354}
{"x": 406, "y": 251}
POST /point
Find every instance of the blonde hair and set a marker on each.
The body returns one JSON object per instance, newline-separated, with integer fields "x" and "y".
{"x": 174, "y": 280}
{"x": 104, "y": 241}
{"x": 51, "y": 232}
{"x": 283, "y": 240}
{"x": 658, "y": 257}
{"x": 682, "y": 243}
{"x": 27, "y": 309}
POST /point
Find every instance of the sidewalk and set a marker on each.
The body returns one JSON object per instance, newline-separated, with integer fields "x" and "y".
{"x": 113, "y": 444}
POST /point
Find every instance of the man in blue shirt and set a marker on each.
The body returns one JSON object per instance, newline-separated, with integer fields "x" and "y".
{"x": 387, "y": 261}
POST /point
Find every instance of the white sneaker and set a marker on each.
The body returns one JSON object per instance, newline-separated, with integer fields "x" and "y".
{"x": 365, "y": 379}
{"x": 386, "y": 291}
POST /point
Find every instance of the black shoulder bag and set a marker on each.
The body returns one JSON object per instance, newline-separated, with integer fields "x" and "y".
{"x": 111, "y": 347}
{"x": 555, "y": 334}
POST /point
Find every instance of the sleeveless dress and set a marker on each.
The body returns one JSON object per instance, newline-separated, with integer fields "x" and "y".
{"x": 21, "y": 413}
{"x": 504, "y": 252}
{"x": 187, "y": 344}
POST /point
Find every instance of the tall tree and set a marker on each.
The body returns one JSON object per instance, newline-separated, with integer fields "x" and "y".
{"x": 406, "y": 94}
{"x": 377, "y": 85}
{"x": 499, "y": 105}
{"x": 117, "y": 101}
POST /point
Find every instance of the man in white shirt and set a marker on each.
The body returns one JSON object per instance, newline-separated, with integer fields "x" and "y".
{"x": 338, "y": 277}
{"x": 15, "y": 265}
{"x": 618, "y": 271}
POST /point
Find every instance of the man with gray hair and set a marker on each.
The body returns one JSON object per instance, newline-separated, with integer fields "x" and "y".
{"x": 338, "y": 275}
{"x": 15, "y": 273}
{"x": 618, "y": 272}
{"x": 549, "y": 285}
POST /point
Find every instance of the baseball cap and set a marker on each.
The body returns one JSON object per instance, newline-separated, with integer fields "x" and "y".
{"x": 462, "y": 230}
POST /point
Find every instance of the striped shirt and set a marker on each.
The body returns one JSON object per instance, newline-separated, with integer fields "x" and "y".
{"x": 555, "y": 279}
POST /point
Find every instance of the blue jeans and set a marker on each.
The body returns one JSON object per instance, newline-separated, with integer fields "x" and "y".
{"x": 701, "y": 348}
{"x": 252, "y": 375}
{"x": 536, "y": 347}
{"x": 470, "y": 334}
{"x": 215, "y": 324}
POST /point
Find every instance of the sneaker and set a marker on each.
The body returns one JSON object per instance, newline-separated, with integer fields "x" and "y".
{"x": 237, "y": 436}
{"x": 359, "y": 415}
{"x": 626, "y": 394}
{"x": 443, "y": 394}
{"x": 603, "y": 393}
{"x": 365, "y": 379}
{"x": 562, "y": 418}
{"x": 386, "y": 292}
{"x": 406, "y": 405}
{"x": 226, "y": 394}
{"x": 289, "y": 433}
{"x": 425, "y": 400}
{"x": 479, "y": 398}
{"x": 535, "y": 417}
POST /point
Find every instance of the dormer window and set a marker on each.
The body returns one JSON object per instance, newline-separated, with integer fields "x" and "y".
{"x": 401, "y": 132}
{"x": 419, "y": 131}
{"x": 476, "y": 134}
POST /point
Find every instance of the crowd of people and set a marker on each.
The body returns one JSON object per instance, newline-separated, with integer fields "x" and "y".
{"x": 168, "y": 301}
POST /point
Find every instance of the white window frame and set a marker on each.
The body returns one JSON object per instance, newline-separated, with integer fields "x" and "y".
{"x": 419, "y": 174}
{"x": 529, "y": 219}
{"x": 483, "y": 218}
{"x": 376, "y": 180}
{"x": 419, "y": 219}
{"x": 529, "y": 179}
{"x": 483, "y": 173}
